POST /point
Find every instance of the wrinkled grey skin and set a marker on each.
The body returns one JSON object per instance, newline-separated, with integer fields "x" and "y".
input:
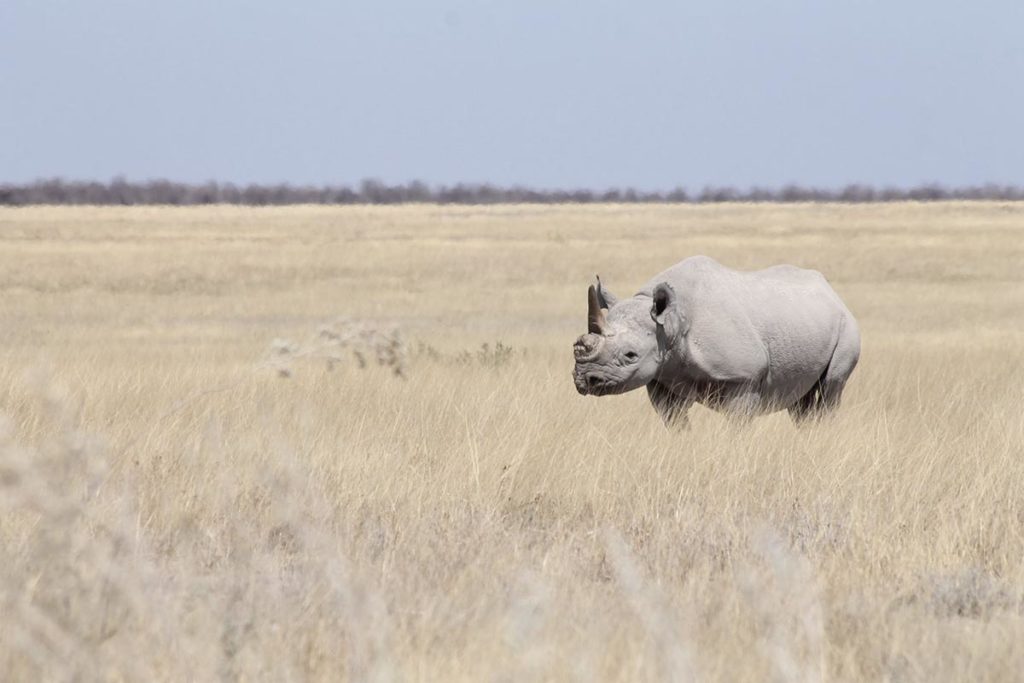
{"x": 743, "y": 343}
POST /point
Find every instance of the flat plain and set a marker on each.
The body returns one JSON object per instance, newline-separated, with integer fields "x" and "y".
{"x": 342, "y": 443}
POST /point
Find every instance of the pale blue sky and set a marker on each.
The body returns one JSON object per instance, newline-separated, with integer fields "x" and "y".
{"x": 651, "y": 94}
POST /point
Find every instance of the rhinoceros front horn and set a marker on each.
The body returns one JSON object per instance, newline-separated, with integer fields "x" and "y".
{"x": 596, "y": 322}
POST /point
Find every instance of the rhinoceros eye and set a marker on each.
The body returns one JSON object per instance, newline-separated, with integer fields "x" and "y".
{"x": 632, "y": 355}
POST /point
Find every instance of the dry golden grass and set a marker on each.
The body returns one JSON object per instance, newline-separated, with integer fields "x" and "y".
{"x": 175, "y": 508}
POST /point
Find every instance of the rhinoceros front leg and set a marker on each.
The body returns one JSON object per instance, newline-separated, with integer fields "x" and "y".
{"x": 671, "y": 406}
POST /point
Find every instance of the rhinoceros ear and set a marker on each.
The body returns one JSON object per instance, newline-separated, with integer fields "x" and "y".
{"x": 604, "y": 297}
{"x": 665, "y": 312}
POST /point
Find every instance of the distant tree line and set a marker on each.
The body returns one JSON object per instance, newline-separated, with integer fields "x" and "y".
{"x": 163, "y": 192}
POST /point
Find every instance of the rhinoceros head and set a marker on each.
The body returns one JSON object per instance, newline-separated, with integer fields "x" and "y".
{"x": 625, "y": 341}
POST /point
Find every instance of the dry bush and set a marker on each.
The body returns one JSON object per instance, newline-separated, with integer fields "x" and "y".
{"x": 340, "y": 341}
{"x": 173, "y": 511}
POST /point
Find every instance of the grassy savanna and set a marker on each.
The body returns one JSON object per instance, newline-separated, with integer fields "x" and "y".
{"x": 192, "y": 490}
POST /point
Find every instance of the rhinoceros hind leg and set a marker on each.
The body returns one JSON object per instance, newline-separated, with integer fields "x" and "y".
{"x": 807, "y": 406}
{"x": 844, "y": 360}
{"x": 826, "y": 394}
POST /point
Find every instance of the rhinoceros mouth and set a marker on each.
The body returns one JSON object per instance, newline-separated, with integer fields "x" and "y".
{"x": 593, "y": 385}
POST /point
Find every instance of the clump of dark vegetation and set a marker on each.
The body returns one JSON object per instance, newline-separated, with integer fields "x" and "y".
{"x": 494, "y": 356}
{"x": 365, "y": 344}
{"x": 360, "y": 342}
{"x": 971, "y": 593}
{"x": 488, "y": 356}
{"x": 56, "y": 191}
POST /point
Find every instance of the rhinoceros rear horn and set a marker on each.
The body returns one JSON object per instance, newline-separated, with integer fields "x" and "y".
{"x": 596, "y": 323}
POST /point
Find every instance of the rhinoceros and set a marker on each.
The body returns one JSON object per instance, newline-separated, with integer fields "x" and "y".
{"x": 742, "y": 343}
